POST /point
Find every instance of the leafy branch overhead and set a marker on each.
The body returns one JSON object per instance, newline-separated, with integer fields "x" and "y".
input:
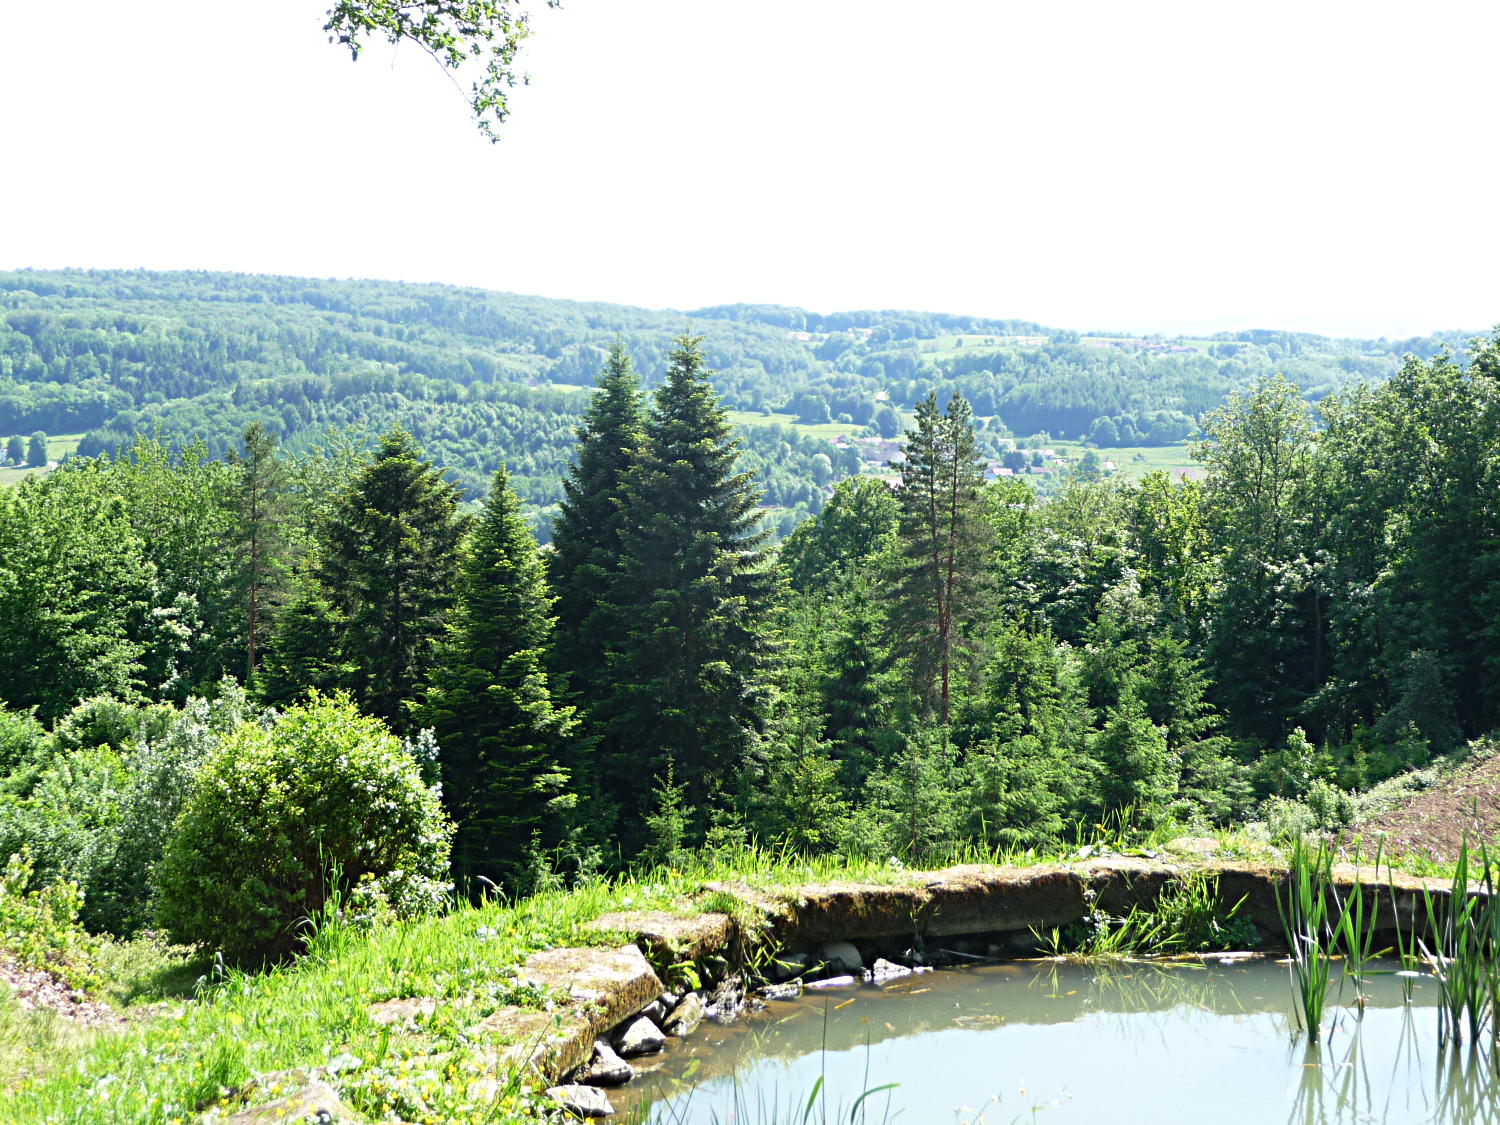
{"x": 456, "y": 33}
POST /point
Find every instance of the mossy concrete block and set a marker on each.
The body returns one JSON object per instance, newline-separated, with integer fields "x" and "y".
{"x": 979, "y": 898}
{"x": 617, "y": 982}
{"x": 670, "y": 937}
{"x": 603, "y": 987}
{"x": 315, "y": 1101}
{"x": 402, "y": 1010}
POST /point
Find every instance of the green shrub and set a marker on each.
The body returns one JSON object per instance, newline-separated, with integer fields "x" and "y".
{"x": 72, "y": 802}
{"x": 39, "y": 928}
{"x": 120, "y": 864}
{"x": 21, "y": 738}
{"x": 105, "y": 721}
{"x": 323, "y": 804}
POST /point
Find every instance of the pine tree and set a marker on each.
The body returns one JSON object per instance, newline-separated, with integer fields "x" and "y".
{"x": 686, "y": 675}
{"x": 585, "y": 556}
{"x": 944, "y": 547}
{"x": 388, "y": 563}
{"x": 302, "y": 651}
{"x": 491, "y": 701}
{"x": 261, "y": 505}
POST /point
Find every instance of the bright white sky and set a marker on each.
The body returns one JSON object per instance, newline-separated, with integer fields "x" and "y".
{"x": 1143, "y": 166}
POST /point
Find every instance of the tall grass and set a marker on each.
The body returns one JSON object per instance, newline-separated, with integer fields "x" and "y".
{"x": 1461, "y": 944}
{"x": 1304, "y": 920}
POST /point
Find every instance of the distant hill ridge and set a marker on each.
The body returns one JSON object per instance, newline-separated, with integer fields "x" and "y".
{"x": 483, "y": 377}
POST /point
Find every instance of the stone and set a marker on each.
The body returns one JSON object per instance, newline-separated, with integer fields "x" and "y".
{"x": 686, "y": 1017}
{"x": 552, "y": 1043}
{"x": 404, "y": 1010}
{"x": 1193, "y": 845}
{"x": 656, "y": 1011}
{"x": 638, "y": 1037}
{"x": 606, "y": 1068}
{"x": 621, "y": 981}
{"x": 584, "y": 1101}
{"x": 314, "y": 1102}
{"x": 884, "y": 970}
{"x": 842, "y": 955}
{"x": 788, "y": 991}
{"x": 670, "y": 1000}
{"x": 670, "y": 937}
{"x": 788, "y": 966}
{"x": 833, "y": 982}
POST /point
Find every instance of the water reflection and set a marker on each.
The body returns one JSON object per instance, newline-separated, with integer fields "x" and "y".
{"x": 1063, "y": 1043}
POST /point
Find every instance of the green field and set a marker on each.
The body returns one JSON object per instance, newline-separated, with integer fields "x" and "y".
{"x": 828, "y": 431}
{"x": 58, "y": 447}
{"x": 1135, "y": 461}
{"x": 940, "y": 347}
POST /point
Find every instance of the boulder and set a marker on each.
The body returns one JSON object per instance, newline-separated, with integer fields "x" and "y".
{"x": 638, "y": 1037}
{"x": 884, "y": 970}
{"x": 584, "y": 1101}
{"x": 606, "y": 1068}
{"x": 670, "y": 937}
{"x": 685, "y": 1017}
{"x": 656, "y": 1011}
{"x": 789, "y": 966}
{"x": 403, "y": 1010}
{"x": 843, "y": 956}
{"x": 316, "y": 1102}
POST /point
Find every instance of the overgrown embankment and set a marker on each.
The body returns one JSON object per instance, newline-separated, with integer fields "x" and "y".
{"x": 433, "y": 1020}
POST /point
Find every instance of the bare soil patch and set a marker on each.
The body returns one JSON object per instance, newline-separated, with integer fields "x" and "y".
{"x": 36, "y": 990}
{"x": 1464, "y": 806}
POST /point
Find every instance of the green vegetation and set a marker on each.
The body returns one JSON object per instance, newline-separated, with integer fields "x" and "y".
{"x": 289, "y": 821}
{"x": 960, "y": 667}
{"x": 484, "y": 379}
{"x": 1187, "y": 917}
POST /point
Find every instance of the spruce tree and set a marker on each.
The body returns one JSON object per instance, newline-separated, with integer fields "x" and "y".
{"x": 388, "y": 561}
{"x": 491, "y": 702}
{"x": 585, "y": 556}
{"x": 944, "y": 547}
{"x": 261, "y": 505}
{"x": 686, "y": 674}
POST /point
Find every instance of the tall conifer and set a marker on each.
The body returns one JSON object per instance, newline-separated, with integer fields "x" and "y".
{"x": 261, "y": 505}
{"x": 491, "y": 704}
{"x": 585, "y": 556}
{"x": 388, "y": 563}
{"x": 686, "y": 675}
{"x": 944, "y": 546}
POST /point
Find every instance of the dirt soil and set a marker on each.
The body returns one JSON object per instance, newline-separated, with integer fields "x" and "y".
{"x": 1463, "y": 806}
{"x": 38, "y": 991}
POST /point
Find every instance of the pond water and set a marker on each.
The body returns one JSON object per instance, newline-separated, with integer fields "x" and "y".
{"x": 1061, "y": 1044}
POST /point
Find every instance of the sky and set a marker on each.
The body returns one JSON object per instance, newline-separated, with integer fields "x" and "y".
{"x": 1151, "y": 166}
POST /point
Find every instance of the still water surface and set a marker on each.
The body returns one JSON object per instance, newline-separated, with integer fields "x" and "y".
{"x": 1062, "y": 1044}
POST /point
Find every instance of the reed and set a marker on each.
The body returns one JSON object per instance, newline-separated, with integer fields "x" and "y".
{"x": 1463, "y": 936}
{"x": 1304, "y": 920}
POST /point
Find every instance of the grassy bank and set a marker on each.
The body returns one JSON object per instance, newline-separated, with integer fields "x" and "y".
{"x": 192, "y": 1048}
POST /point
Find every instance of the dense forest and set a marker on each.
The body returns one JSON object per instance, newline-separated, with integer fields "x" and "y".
{"x": 915, "y": 668}
{"x": 482, "y": 379}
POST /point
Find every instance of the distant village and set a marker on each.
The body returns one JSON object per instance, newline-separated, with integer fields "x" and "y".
{"x": 884, "y": 456}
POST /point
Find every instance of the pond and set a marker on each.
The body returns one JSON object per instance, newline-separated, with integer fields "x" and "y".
{"x": 1060, "y": 1043}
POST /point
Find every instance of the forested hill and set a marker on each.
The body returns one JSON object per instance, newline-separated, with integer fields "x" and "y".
{"x": 481, "y": 377}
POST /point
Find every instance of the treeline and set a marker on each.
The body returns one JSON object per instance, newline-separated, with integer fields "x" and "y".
{"x": 949, "y": 661}
{"x": 482, "y": 379}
